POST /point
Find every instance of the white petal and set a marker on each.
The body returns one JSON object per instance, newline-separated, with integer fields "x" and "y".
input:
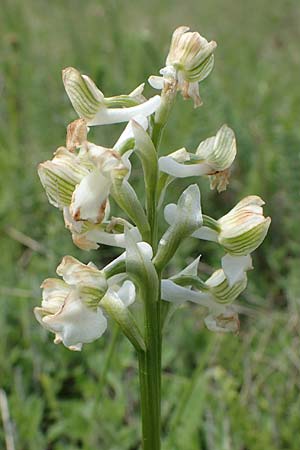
{"x": 127, "y": 293}
{"x": 75, "y": 272}
{"x": 106, "y": 116}
{"x": 116, "y": 280}
{"x": 114, "y": 240}
{"x": 188, "y": 209}
{"x": 76, "y": 323}
{"x": 128, "y": 132}
{"x": 205, "y": 233}
{"x": 170, "y": 166}
{"x": 170, "y": 213}
{"x": 54, "y": 294}
{"x": 137, "y": 93}
{"x": 127, "y": 163}
{"x": 89, "y": 197}
{"x": 145, "y": 248}
{"x": 168, "y": 72}
{"x": 173, "y": 293}
{"x": 235, "y": 267}
{"x": 223, "y": 321}
{"x": 156, "y": 82}
{"x": 191, "y": 269}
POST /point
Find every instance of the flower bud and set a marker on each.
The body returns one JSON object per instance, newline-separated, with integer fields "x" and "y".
{"x": 244, "y": 228}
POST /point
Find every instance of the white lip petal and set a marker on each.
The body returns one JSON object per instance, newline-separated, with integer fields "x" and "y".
{"x": 235, "y": 267}
{"x": 76, "y": 323}
{"x": 225, "y": 321}
{"x": 172, "y": 167}
{"x": 106, "y": 116}
{"x": 127, "y": 293}
{"x": 173, "y": 293}
{"x": 89, "y": 197}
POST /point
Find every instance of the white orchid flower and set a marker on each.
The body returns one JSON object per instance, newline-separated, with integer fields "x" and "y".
{"x": 240, "y": 232}
{"x": 68, "y": 306}
{"x": 79, "y": 183}
{"x": 215, "y": 294}
{"x": 82, "y": 181}
{"x": 91, "y": 105}
{"x": 89, "y": 236}
{"x": 213, "y": 157}
{"x": 190, "y": 60}
{"x": 71, "y": 308}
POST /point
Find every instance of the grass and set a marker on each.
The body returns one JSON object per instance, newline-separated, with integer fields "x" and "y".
{"x": 247, "y": 396}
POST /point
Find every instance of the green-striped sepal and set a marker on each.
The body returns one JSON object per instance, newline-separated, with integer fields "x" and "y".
{"x": 244, "y": 228}
{"x": 60, "y": 176}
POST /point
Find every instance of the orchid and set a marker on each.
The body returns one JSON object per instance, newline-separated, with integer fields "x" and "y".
{"x": 78, "y": 180}
{"x": 190, "y": 60}
{"x": 213, "y": 157}
{"x": 215, "y": 295}
{"x": 75, "y": 308}
{"x": 81, "y": 180}
{"x": 90, "y": 103}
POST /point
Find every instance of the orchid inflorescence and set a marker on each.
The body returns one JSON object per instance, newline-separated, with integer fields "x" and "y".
{"x": 82, "y": 176}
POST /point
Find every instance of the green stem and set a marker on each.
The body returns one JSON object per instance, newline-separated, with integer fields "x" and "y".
{"x": 150, "y": 381}
{"x": 150, "y": 360}
{"x": 150, "y": 371}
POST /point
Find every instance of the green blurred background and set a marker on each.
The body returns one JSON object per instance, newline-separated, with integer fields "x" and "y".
{"x": 220, "y": 392}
